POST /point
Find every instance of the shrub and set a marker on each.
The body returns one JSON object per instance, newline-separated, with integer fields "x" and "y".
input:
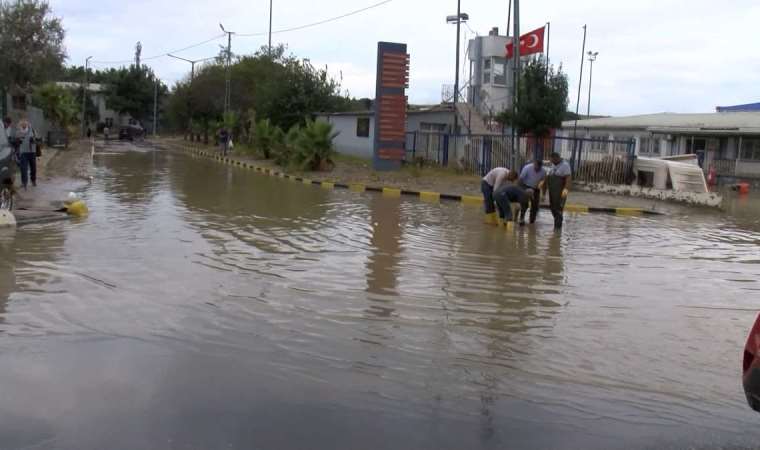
{"x": 314, "y": 146}
{"x": 267, "y": 137}
{"x": 284, "y": 150}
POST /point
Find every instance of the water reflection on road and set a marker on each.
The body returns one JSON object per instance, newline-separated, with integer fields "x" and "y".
{"x": 205, "y": 306}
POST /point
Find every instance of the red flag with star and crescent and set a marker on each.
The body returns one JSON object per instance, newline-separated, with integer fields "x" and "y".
{"x": 530, "y": 43}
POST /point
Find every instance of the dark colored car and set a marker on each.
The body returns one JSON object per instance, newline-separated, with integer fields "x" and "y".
{"x": 751, "y": 367}
{"x": 131, "y": 132}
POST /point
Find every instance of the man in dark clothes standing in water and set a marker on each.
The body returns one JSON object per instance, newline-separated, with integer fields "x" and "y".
{"x": 558, "y": 184}
{"x": 531, "y": 178}
{"x": 511, "y": 193}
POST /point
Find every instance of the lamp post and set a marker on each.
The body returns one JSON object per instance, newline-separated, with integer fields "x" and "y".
{"x": 270, "y": 28}
{"x": 192, "y": 78}
{"x": 84, "y": 93}
{"x": 227, "y": 87}
{"x": 591, "y": 58}
{"x": 458, "y": 19}
{"x": 192, "y": 62}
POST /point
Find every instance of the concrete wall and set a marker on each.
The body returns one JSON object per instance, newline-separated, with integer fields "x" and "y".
{"x": 347, "y": 142}
{"x": 414, "y": 121}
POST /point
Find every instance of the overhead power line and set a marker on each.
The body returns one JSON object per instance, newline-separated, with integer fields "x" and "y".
{"x": 284, "y": 30}
{"x": 321, "y": 22}
{"x": 125, "y": 61}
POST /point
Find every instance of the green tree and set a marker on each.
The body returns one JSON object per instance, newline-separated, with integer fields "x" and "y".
{"x": 31, "y": 45}
{"x": 280, "y": 87}
{"x": 58, "y": 104}
{"x": 541, "y": 100}
{"x": 131, "y": 91}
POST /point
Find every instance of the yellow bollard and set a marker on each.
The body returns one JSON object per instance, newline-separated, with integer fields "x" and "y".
{"x": 77, "y": 208}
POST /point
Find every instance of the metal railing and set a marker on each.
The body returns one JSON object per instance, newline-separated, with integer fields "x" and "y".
{"x": 593, "y": 160}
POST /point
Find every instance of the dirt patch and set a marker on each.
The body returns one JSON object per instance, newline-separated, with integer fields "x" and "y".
{"x": 356, "y": 170}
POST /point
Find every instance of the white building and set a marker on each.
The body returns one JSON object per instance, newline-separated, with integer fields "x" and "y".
{"x": 729, "y": 142}
{"x": 96, "y": 93}
{"x": 356, "y": 129}
{"x": 491, "y": 74}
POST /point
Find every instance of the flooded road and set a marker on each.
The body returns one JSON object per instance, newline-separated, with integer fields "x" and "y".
{"x": 202, "y": 306}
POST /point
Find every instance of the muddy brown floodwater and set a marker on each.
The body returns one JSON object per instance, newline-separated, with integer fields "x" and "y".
{"x": 203, "y": 306}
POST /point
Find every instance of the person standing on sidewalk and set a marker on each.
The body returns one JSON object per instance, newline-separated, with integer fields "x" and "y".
{"x": 531, "y": 178}
{"x": 488, "y": 185}
{"x": 25, "y": 137}
{"x": 558, "y": 184}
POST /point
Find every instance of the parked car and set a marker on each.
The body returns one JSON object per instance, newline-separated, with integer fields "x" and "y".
{"x": 751, "y": 367}
{"x": 131, "y": 132}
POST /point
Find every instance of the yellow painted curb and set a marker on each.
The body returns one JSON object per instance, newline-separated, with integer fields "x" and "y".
{"x": 328, "y": 185}
{"x": 356, "y": 187}
{"x": 576, "y": 208}
{"x": 433, "y": 197}
{"x": 391, "y": 192}
{"x": 306, "y": 181}
{"x": 472, "y": 200}
{"x": 629, "y": 211}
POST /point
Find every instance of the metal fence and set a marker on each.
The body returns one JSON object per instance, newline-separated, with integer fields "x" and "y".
{"x": 593, "y": 160}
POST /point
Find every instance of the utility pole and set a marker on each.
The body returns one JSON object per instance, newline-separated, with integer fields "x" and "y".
{"x": 515, "y": 80}
{"x": 548, "y": 41}
{"x": 84, "y": 93}
{"x": 155, "y": 107}
{"x": 456, "y": 77}
{"x": 591, "y": 58}
{"x": 270, "y": 28}
{"x": 578, "y": 102}
{"x": 458, "y": 19}
{"x": 228, "y": 83}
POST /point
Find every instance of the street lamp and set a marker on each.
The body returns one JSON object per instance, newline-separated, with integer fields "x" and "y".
{"x": 192, "y": 62}
{"x": 458, "y": 19}
{"x": 227, "y": 90}
{"x": 84, "y": 92}
{"x": 591, "y": 58}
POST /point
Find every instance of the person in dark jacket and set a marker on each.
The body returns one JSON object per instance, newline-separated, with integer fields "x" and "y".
{"x": 24, "y": 138}
{"x": 508, "y": 193}
{"x": 558, "y": 185}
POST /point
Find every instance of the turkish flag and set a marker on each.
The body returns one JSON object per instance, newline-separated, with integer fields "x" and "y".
{"x": 530, "y": 43}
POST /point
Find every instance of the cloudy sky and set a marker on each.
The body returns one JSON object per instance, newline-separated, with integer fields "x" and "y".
{"x": 654, "y": 55}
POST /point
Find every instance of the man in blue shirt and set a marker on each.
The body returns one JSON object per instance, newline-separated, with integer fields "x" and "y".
{"x": 558, "y": 183}
{"x": 530, "y": 178}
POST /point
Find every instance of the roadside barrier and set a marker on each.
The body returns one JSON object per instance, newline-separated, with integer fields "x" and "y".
{"x": 431, "y": 197}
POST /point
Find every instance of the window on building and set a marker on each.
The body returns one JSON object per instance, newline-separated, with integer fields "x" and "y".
{"x": 599, "y": 144}
{"x": 18, "y": 102}
{"x": 487, "y": 71}
{"x": 427, "y": 127}
{"x": 500, "y": 71}
{"x": 362, "y": 127}
{"x": 750, "y": 149}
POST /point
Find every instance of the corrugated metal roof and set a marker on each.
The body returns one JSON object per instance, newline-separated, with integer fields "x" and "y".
{"x": 737, "y": 108}
{"x": 738, "y": 122}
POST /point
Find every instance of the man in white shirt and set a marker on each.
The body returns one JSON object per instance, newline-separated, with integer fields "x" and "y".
{"x": 490, "y": 183}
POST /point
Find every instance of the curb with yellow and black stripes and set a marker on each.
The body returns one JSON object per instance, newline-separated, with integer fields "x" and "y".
{"x": 433, "y": 197}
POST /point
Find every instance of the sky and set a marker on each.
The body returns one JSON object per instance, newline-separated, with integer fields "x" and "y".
{"x": 654, "y": 55}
